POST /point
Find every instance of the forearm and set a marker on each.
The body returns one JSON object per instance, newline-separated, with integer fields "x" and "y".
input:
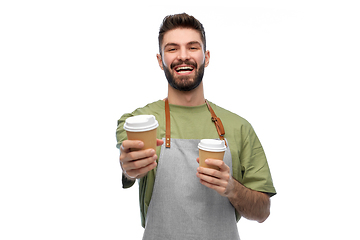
{"x": 250, "y": 204}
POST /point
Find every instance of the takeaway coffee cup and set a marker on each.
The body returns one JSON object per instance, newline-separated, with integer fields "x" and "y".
{"x": 143, "y": 128}
{"x": 211, "y": 148}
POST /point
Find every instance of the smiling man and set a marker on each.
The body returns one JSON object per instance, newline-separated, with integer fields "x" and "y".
{"x": 179, "y": 199}
{"x": 182, "y": 53}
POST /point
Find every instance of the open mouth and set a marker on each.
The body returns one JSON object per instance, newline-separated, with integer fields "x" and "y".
{"x": 184, "y": 69}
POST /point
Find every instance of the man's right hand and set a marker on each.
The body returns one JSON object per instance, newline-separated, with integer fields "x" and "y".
{"x": 136, "y": 164}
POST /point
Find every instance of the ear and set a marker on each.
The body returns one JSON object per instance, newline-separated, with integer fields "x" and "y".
{"x": 207, "y": 58}
{"x": 158, "y": 56}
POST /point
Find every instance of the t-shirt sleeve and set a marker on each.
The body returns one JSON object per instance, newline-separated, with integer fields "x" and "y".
{"x": 120, "y": 137}
{"x": 254, "y": 166}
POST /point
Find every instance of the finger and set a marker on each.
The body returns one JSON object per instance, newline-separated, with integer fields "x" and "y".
{"x": 137, "y": 172}
{"x": 209, "y": 171}
{"x": 140, "y": 154}
{"x": 211, "y": 180}
{"x": 140, "y": 163}
{"x": 198, "y": 159}
{"x": 128, "y": 144}
{"x": 217, "y": 188}
{"x": 159, "y": 142}
{"x": 218, "y": 163}
{"x": 126, "y": 157}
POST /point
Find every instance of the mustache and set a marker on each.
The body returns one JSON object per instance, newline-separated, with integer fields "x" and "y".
{"x": 194, "y": 64}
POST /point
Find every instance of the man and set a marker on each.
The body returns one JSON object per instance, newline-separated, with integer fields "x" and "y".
{"x": 179, "y": 199}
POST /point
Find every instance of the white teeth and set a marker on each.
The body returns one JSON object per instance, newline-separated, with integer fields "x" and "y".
{"x": 184, "y": 69}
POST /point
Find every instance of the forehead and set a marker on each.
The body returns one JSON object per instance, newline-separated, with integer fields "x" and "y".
{"x": 181, "y": 36}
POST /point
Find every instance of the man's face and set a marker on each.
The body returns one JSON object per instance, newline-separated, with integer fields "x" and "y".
{"x": 183, "y": 59}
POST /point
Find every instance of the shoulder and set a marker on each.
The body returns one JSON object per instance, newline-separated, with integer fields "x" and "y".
{"x": 151, "y": 108}
{"x": 155, "y": 108}
{"x": 232, "y": 119}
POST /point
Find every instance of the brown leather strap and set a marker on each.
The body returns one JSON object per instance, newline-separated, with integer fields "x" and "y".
{"x": 167, "y": 120}
{"x": 218, "y": 124}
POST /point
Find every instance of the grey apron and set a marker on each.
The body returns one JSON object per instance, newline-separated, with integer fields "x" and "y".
{"x": 181, "y": 208}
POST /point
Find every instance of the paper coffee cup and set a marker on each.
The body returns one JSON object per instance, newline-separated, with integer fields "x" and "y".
{"x": 143, "y": 128}
{"x": 211, "y": 148}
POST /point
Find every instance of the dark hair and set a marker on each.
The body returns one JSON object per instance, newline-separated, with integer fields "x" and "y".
{"x": 182, "y": 20}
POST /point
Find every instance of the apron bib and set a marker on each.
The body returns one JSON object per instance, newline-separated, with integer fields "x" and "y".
{"x": 181, "y": 208}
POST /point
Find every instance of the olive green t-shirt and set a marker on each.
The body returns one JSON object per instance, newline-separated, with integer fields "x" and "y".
{"x": 249, "y": 162}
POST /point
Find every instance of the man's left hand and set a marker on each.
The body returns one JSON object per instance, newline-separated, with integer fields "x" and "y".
{"x": 219, "y": 180}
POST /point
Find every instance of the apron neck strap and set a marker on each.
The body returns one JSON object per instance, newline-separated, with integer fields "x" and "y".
{"x": 167, "y": 121}
{"x": 218, "y": 124}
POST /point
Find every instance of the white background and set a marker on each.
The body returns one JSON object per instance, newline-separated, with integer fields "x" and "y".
{"x": 70, "y": 69}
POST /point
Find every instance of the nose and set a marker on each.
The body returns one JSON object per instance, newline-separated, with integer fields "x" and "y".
{"x": 183, "y": 54}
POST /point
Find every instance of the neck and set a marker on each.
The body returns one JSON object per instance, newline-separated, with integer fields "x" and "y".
{"x": 191, "y": 98}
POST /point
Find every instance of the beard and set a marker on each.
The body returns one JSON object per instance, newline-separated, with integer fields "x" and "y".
{"x": 185, "y": 83}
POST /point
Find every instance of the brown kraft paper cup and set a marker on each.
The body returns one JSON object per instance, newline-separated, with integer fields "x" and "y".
{"x": 206, "y": 154}
{"x": 147, "y": 137}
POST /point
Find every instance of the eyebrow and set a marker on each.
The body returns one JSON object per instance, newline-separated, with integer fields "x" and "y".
{"x": 193, "y": 42}
{"x": 170, "y": 44}
{"x": 175, "y": 44}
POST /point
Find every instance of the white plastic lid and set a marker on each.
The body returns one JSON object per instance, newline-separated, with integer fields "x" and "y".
{"x": 212, "y": 145}
{"x": 141, "y": 123}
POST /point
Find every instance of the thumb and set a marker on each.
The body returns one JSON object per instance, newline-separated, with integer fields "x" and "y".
{"x": 159, "y": 142}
